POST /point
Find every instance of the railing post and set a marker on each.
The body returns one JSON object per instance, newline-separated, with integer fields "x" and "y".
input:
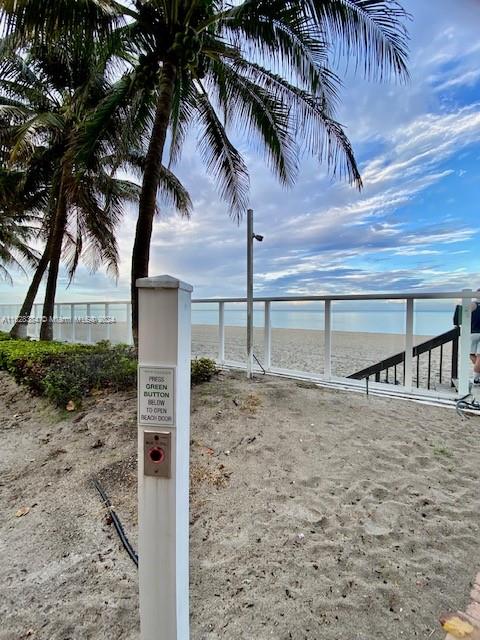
{"x": 36, "y": 332}
{"x": 221, "y": 332}
{"x": 56, "y": 325}
{"x": 327, "y": 367}
{"x": 73, "y": 321}
{"x": 454, "y": 363}
{"x": 28, "y": 325}
{"x": 89, "y": 330}
{"x": 109, "y": 326}
{"x": 267, "y": 338}
{"x": 164, "y": 350}
{"x": 129, "y": 323}
{"x": 408, "y": 365}
{"x": 464, "y": 363}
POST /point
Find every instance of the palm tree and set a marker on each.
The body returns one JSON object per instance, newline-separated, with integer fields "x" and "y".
{"x": 264, "y": 67}
{"x": 86, "y": 199}
{"x": 33, "y": 192}
{"x": 44, "y": 97}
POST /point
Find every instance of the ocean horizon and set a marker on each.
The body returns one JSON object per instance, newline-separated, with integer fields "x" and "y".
{"x": 426, "y": 322}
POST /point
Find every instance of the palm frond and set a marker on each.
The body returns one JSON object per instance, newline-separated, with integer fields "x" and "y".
{"x": 96, "y": 226}
{"x": 170, "y": 190}
{"x": 173, "y": 193}
{"x": 26, "y": 134}
{"x": 280, "y": 36}
{"x": 259, "y": 114}
{"x": 222, "y": 160}
{"x": 29, "y": 20}
{"x": 119, "y": 121}
{"x": 315, "y": 129}
{"x": 373, "y": 31}
{"x": 16, "y": 231}
{"x": 183, "y": 110}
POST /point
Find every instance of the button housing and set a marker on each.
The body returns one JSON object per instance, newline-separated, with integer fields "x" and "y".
{"x": 157, "y": 454}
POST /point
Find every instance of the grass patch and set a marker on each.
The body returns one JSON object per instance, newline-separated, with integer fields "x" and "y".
{"x": 439, "y": 450}
{"x": 302, "y": 384}
{"x": 251, "y": 403}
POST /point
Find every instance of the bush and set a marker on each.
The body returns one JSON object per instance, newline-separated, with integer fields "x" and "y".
{"x": 75, "y": 377}
{"x": 28, "y": 361}
{"x": 202, "y": 370}
{"x": 66, "y": 372}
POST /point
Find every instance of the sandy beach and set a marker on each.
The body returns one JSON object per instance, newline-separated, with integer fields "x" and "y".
{"x": 315, "y": 514}
{"x": 303, "y": 350}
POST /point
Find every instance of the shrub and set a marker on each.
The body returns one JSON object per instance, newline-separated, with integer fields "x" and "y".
{"x": 63, "y": 371}
{"x": 202, "y": 370}
{"x": 27, "y": 360}
{"x": 78, "y": 375}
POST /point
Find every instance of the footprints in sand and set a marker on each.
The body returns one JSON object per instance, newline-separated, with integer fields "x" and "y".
{"x": 343, "y": 521}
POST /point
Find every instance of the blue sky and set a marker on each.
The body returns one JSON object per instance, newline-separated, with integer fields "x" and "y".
{"x": 415, "y": 226}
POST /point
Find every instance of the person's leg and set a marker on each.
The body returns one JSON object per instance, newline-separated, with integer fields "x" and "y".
{"x": 476, "y": 365}
{"x": 476, "y": 368}
{"x": 475, "y": 353}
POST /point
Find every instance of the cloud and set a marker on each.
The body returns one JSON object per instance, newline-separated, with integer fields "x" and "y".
{"x": 466, "y": 79}
{"x": 412, "y": 227}
{"x": 423, "y": 143}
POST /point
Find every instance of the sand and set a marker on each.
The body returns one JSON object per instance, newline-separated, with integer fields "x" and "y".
{"x": 296, "y": 349}
{"x": 315, "y": 514}
{"x": 303, "y": 350}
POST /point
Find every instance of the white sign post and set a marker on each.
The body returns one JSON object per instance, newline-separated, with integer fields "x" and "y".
{"x": 164, "y": 348}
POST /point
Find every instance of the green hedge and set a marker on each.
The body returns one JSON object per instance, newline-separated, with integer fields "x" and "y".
{"x": 68, "y": 372}
{"x": 64, "y": 372}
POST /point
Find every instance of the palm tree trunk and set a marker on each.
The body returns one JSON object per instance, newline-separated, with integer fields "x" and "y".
{"x": 151, "y": 177}
{"x": 19, "y": 329}
{"x": 46, "y": 329}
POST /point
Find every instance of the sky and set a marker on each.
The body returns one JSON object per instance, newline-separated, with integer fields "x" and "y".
{"x": 414, "y": 227}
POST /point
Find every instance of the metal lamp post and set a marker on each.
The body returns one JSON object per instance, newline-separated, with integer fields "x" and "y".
{"x": 251, "y": 236}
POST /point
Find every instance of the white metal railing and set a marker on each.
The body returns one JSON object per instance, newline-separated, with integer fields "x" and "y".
{"x": 84, "y": 322}
{"x": 86, "y": 329}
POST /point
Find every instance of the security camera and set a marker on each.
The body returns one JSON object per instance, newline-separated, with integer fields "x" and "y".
{"x": 258, "y": 237}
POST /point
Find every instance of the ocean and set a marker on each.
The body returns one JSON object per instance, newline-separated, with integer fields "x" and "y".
{"x": 426, "y": 322}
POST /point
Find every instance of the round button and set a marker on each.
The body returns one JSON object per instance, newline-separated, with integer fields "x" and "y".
{"x": 157, "y": 455}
